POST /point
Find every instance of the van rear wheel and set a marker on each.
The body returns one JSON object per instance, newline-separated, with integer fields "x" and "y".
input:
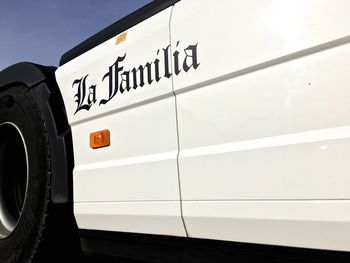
{"x": 32, "y": 228}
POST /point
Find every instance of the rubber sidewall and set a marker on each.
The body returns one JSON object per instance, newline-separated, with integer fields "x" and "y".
{"x": 19, "y": 107}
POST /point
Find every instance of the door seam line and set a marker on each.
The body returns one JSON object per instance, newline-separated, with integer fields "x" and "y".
{"x": 177, "y": 125}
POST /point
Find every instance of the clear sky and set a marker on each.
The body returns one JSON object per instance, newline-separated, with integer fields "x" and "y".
{"x": 40, "y": 31}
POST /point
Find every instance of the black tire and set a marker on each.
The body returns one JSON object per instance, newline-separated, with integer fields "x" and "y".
{"x": 40, "y": 231}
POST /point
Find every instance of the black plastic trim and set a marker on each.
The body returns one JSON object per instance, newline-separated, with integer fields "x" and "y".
{"x": 155, "y": 248}
{"x": 26, "y": 73}
{"x": 118, "y": 27}
{"x": 59, "y": 136}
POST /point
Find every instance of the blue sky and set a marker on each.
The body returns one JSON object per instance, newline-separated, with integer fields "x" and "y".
{"x": 40, "y": 31}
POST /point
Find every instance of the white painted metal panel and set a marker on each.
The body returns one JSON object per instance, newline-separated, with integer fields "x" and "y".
{"x": 255, "y": 129}
{"x": 300, "y": 93}
{"x": 238, "y": 35}
{"x": 317, "y": 224}
{"x": 310, "y": 165}
{"x": 140, "y": 164}
{"x": 265, "y": 116}
{"x": 142, "y": 44}
{"x": 139, "y": 217}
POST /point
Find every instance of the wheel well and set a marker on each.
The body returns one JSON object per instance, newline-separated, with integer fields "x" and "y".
{"x": 33, "y": 76}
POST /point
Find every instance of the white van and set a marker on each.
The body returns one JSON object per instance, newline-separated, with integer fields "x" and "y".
{"x": 188, "y": 131}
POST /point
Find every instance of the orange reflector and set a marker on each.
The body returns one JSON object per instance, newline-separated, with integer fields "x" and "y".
{"x": 100, "y": 139}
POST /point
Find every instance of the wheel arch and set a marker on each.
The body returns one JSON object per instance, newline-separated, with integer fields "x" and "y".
{"x": 25, "y": 73}
{"x": 41, "y": 82}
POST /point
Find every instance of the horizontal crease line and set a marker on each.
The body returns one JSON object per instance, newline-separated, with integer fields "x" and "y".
{"x": 216, "y": 201}
{"x": 127, "y": 107}
{"x": 129, "y": 201}
{"x": 127, "y": 161}
{"x": 267, "y": 200}
{"x": 313, "y": 136}
{"x": 267, "y": 64}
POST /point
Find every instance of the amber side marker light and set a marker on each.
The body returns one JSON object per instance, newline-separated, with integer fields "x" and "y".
{"x": 100, "y": 139}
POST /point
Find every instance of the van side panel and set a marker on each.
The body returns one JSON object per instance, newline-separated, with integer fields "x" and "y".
{"x": 264, "y": 121}
{"x": 132, "y": 185}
